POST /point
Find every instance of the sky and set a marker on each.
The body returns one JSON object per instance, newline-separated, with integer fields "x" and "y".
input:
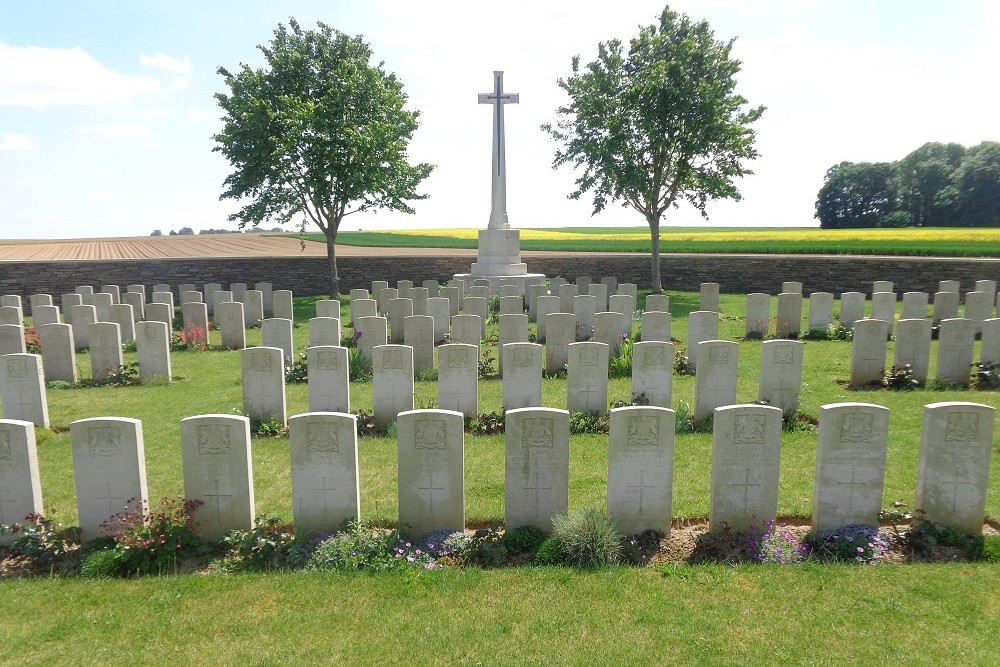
{"x": 107, "y": 110}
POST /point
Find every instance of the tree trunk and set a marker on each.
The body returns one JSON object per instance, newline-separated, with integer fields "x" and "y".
{"x": 331, "y": 254}
{"x": 654, "y": 238}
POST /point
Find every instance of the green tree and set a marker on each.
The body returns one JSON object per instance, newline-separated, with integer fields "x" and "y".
{"x": 319, "y": 132}
{"x": 657, "y": 124}
{"x": 919, "y": 179}
{"x": 855, "y": 195}
{"x": 974, "y": 192}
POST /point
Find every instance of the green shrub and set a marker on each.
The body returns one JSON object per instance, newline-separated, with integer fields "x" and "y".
{"x": 523, "y": 539}
{"x": 620, "y": 365}
{"x": 101, "y": 564}
{"x": 362, "y": 546}
{"x": 296, "y": 370}
{"x": 682, "y": 364}
{"x": 986, "y": 375}
{"x": 153, "y": 541}
{"x": 855, "y": 543}
{"x": 269, "y": 545}
{"x": 899, "y": 378}
{"x": 359, "y": 367}
{"x": 550, "y": 552}
{"x": 588, "y": 422}
{"x": 487, "y": 423}
{"x": 426, "y": 375}
{"x": 588, "y": 537}
{"x": 42, "y": 540}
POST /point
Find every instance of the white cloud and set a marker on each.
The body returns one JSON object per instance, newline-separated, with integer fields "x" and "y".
{"x": 178, "y": 83}
{"x": 156, "y": 112}
{"x": 37, "y": 77}
{"x": 114, "y": 131}
{"x": 15, "y": 141}
{"x": 160, "y": 61}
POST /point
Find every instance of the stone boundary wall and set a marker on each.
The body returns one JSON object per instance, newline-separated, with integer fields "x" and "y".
{"x": 738, "y": 274}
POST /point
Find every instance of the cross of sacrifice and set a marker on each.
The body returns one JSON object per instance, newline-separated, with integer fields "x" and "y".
{"x": 498, "y": 98}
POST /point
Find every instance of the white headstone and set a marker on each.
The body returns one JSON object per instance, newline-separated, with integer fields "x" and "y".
{"x": 913, "y": 347}
{"x": 419, "y": 296}
{"x": 791, "y": 286}
{"x": 850, "y": 465}
{"x": 109, "y": 465}
{"x": 746, "y": 452}
{"x": 567, "y": 293}
{"x": 10, "y": 316}
{"x": 191, "y": 296}
{"x": 263, "y": 370}
{"x": 363, "y": 308}
{"x": 956, "y": 339}
{"x": 123, "y": 315}
{"x": 522, "y": 375}
{"x": 432, "y": 286}
{"x": 511, "y": 305}
{"x": 709, "y": 297}
{"x": 986, "y": 286}
{"x": 67, "y": 302}
{"x": 431, "y": 464}
{"x": 282, "y": 305}
{"x": 560, "y": 332}
{"x": 544, "y": 306}
{"x": 948, "y": 286}
{"x": 324, "y": 331}
{"x": 953, "y": 475}
{"x": 990, "y": 350}
{"x": 44, "y": 315}
{"x": 329, "y": 379}
{"x": 781, "y": 374}
{"x": 22, "y": 389}
{"x": 641, "y": 468}
{"x": 325, "y": 487}
{"x": 852, "y": 308}
{"x": 868, "y": 350}
{"x": 152, "y": 344}
{"x": 196, "y": 329}
{"x": 267, "y": 298}
{"x": 702, "y": 325}
{"x": 881, "y": 286}
{"x": 220, "y": 297}
{"x": 105, "y": 349}
{"x": 439, "y": 310}
{"x": 330, "y": 308}
{"x": 210, "y": 291}
{"x": 789, "y": 321}
{"x": 652, "y": 372}
{"x": 715, "y": 378}
{"x": 384, "y": 296}
{"x": 421, "y": 339}
{"x": 979, "y": 306}
{"x": 12, "y": 339}
{"x": 655, "y": 326}
{"x": 378, "y": 286}
{"x": 600, "y": 293}
{"x": 609, "y": 328}
{"x": 536, "y": 484}
{"x": 587, "y": 380}
{"x": 945, "y": 305}
{"x": 467, "y": 329}
{"x": 253, "y": 307}
{"x": 403, "y": 287}
{"x": 820, "y": 310}
{"x": 58, "y": 352}
{"x": 478, "y": 306}
{"x": 371, "y": 332}
{"x": 231, "y": 324}
{"x": 20, "y": 485}
{"x": 393, "y": 382}
{"x": 915, "y": 305}
{"x": 584, "y": 310}
{"x": 458, "y": 378}
{"x": 275, "y": 332}
{"x": 658, "y": 302}
{"x": 218, "y": 470}
{"x": 399, "y": 310}
{"x": 86, "y": 293}
{"x": 82, "y": 318}
{"x": 884, "y": 308}
{"x": 164, "y": 297}
{"x": 758, "y": 314}
{"x": 454, "y": 296}
{"x": 531, "y": 298}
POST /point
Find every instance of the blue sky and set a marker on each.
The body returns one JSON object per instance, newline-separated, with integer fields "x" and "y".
{"x": 106, "y": 108}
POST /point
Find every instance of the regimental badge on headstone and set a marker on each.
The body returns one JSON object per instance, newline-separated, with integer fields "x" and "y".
{"x": 857, "y": 428}
{"x": 430, "y": 434}
{"x": 962, "y": 427}
{"x": 536, "y": 432}
{"x": 17, "y": 368}
{"x": 643, "y": 431}
{"x": 260, "y": 363}
{"x": 321, "y": 439}
{"x": 104, "y": 442}
{"x": 749, "y": 430}
{"x": 213, "y": 439}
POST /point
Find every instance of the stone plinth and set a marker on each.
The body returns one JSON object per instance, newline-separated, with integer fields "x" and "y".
{"x": 500, "y": 257}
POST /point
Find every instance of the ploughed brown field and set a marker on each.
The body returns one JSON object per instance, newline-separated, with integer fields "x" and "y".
{"x": 208, "y": 245}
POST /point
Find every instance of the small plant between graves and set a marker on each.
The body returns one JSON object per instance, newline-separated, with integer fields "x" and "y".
{"x": 44, "y": 540}
{"x": 268, "y": 428}
{"x": 774, "y": 544}
{"x": 586, "y": 538}
{"x": 588, "y": 422}
{"x": 32, "y": 345}
{"x": 486, "y": 423}
{"x": 986, "y": 376}
{"x": 359, "y": 367}
{"x": 899, "y": 378}
{"x": 147, "y": 540}
{"x": 350, "y": 341}
{"x": 486, "y": 367}
{"x": 620, "y": 365}
{"x": 682, "y": 364}
{"x": 270, "y": 545}
{"x": 297, "y": 370}
{"x": 361, "y": 545}
{"x": 191, "y": 337}
{"x": 856, "y": 543}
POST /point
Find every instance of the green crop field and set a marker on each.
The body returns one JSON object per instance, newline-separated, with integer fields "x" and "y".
{"x": 942, "y": 242}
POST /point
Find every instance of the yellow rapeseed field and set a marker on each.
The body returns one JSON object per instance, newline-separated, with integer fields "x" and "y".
{"x": 986, "y": 235}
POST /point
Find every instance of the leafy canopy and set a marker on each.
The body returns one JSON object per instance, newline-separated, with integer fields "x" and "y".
{"x": 319, "y": 131}
{"x": 658, "y": 123}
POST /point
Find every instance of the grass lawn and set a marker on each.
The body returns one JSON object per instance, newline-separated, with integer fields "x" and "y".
{"x": 709, "y": 614}
{"x": 937, "y": 242}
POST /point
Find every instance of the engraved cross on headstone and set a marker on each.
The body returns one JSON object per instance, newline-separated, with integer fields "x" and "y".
{"x": 956, "y": 482}
{"x": 851, "y": 487}
{"x": 431, "y": 488}
{"x": 641, "y": 487}
{"x": 498, "y": 98}
{"x": 746, "y": 489}
{"x": 217, "y": 499}
{"x": 109, "y": 498}
{"x": 7, "y": 500}
{"x": 537, "y": 488}
{"x": 326, "y": 489}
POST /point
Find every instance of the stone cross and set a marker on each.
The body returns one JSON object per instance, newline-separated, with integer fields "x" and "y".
{"x": 498, "y": 98}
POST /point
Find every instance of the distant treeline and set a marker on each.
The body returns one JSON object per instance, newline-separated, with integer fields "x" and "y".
{"x": 937, "y": 185}
{"x": 187, "y": 231}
